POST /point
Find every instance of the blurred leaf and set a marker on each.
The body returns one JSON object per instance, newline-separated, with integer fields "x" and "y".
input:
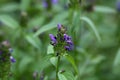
{"x": 33, "y": 40}
{"x": 24, "y": 63}
{"x": 36, "y": 21}
{"x": 9, "y": 7}
{"x": 58, "y": 19}
{"x": 71, "y": 60}
{"x": 83, "y": 68}
{"x": 117, "y": 58}
{"x": 61, "y": 76}
{"x": 9, "y": 21}
{"x": 25, "y": 4}
{"x": 87, "y": 20}
{"x": 97, "y": 59}
{"x": 44, "y": 62}
{"x": 45, "y": 28}
{"x": 53, "y": 60}
{"x": 104, "y": 9}
{"x": 50, "y": 49}
{"x": 67, "y": 75}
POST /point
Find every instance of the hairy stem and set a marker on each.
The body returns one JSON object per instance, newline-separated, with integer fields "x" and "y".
{"x": 57, "y": 67}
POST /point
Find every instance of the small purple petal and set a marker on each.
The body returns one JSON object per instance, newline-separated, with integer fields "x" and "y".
{"x": 0, "y": 52}
{"x": 67, "y": 48}
{"x": 10, "y": 50}
{"x": 66, "y": 37}
{"x": 53, "y": 39}
{"x": 118, "y": 6}
{"x": 54, "y": 1}
{"x": 12, "y": 59}
{"x": 71, "y": 46}
{"x": 69, "y": 42}
{"x": 59, "y": 27}
{"x": 45, "y": 4}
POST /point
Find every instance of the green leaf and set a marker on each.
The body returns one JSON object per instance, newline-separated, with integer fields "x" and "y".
{"x": 87, "y": 20}
{"x": 9, "y": 21}
{"x": 53, "y": 60}
{"x": 36, "y": 21}
{"x": 117, "y": 58}
{"x": 69, "y": 75}
{"x": 33, "y": 40}
{"x": 44, "y": 62}
{"x": 50, "y": 49}
{"x": 71, "y": 60}
{"x": 24, "y": 63}
{"x": 58, "y": 19}
{"x": 46, "y": 28}
{"x": 104, "y": 9}
{"x": 25, "y": 4}
{"x": 9, "y": 7}
{"x": 61, "y": 76}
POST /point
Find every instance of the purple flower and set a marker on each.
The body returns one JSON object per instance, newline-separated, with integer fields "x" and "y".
{"x": 0, "y": 52}
{"x": 54, "y": 1}
{"x": 59, "y": 27}
{"x": 118, "y": 6}
{"x": 67, "y": 48}
{"x": 12, "y": 59}
{"x": 45, "y": 4}
{"x": 66, "y": 37}
{"x": 69, "y": 42}
{"x": 53, "y": 39}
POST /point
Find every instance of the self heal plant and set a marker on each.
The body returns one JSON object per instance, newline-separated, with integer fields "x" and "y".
{"x": 6, "y": 59}
{"x": 62, "y": 43}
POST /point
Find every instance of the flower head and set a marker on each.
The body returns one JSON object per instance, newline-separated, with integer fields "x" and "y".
{"x": 62, "y": 41}
{"x": 5, "y": 58}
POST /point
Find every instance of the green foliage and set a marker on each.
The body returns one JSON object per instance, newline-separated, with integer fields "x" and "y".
{"x": 9, "y": 21}
{"x": 92, "y": 26}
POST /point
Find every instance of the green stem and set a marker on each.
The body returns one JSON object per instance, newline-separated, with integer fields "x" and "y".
{"x": 57, "y": 67}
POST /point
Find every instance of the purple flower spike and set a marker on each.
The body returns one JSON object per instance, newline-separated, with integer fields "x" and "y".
{"x": 12, "y": 59}
{"x": 54, "y": 1}
{"x": 53, "y": 39}
{"x": 59, "y": 27}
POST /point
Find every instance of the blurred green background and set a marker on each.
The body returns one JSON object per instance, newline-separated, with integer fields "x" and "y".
{"x": 93, "y": 24}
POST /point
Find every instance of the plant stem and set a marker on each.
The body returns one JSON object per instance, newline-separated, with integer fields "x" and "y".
{"x": 57, "y": 67}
